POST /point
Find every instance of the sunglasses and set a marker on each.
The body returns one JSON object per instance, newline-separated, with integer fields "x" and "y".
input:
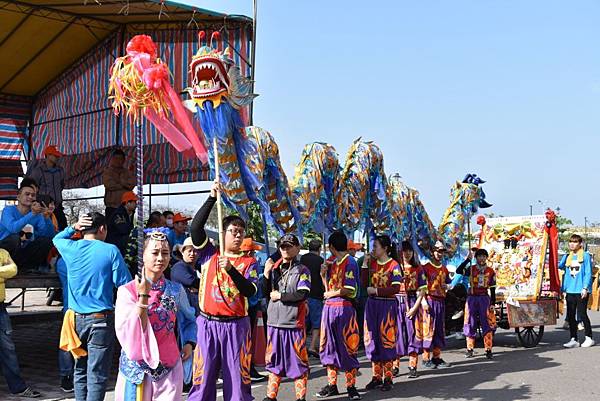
{"x": 27, "y": 235}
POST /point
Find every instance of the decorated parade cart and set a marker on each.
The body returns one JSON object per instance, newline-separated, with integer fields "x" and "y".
{"x": 523, "y": 252}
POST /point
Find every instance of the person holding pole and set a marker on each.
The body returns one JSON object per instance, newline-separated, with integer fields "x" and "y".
{"x": 479, "y": 310}
{"x": 228, "y": 278}
{"x": 339, "y": 328}
{"x": 438, "y": 279}
{"x": 381, "y": 276}
{"x": 414, "y": 328}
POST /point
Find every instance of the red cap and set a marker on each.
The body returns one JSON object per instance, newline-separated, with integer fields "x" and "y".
{"x": 178, "y": 218}
{"x": 354, "y": 246}
{"x": 51, "y": 150}
{"x": 129, "y": 196}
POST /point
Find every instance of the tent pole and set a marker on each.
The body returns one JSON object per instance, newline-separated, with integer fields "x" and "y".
{"x": 253, "y": 54}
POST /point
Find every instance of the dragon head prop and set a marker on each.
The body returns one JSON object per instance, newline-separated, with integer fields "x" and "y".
{"x": 475, "y": 180}
{"x": 215, "y": 77}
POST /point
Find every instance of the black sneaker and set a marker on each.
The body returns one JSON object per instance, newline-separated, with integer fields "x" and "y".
{"x": 396, "y": 372}
{"x": 66, "y": 384}
{"x": 440, "y": 363}
{"x": 387, "y": 385}
{"x": 314, "y": 354}
{"x": 353, "y": 393}
{"x": 256, "y": 377}
{"x": 429, "y": 364}
{"x": 373, "y": 384}
{"x": 328, "y": 391}
{"x": 469, "y": 353}
{"x": 488, "y": 354}
{"x": 29, "y": 393}
{"x": 412, "y": 373}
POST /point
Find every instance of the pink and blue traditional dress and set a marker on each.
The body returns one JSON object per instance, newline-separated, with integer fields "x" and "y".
{"x": 150, "y": 366}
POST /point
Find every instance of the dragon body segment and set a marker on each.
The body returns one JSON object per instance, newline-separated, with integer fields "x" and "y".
{"x": 323, "y": 195}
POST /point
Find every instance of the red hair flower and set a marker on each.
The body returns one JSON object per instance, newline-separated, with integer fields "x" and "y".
{"x": 481, "y": 220}
{"x": 142, "y": 44}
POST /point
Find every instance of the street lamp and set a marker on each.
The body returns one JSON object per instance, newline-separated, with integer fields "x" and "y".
{"x": 531, "y": 210}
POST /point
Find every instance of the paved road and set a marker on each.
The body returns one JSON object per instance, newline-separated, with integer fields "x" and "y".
{"x": 547, "y": 372}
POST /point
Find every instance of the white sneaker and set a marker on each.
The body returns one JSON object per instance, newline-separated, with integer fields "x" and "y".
{"x": 458, "y": 315}
{"x": 580, "y": 327}
{"x": 589, "y": 342}
{"x": 459, "y": 336}
{"x": 572, "y": 344}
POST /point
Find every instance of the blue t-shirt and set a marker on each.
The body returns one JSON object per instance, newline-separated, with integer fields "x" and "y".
{"x": 94, "y": 269}
{"x": 12, "y": 221}
{"x": 61, "y": 270}
{"x": 578, "y": 275}
{"x": 175, "y": 239}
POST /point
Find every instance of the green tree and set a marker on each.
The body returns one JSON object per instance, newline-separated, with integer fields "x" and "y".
{"x": 254, "y": 223}
{"x": 563, "y": 225}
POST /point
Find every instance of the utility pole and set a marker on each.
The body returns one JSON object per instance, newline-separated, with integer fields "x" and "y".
{"x": 531, "y": 210}
{"x": 585, "y": 221}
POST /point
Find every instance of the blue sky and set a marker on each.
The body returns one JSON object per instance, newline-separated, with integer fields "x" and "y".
{"x": 507, "y": 89}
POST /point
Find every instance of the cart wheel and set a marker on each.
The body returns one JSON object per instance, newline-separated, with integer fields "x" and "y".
{"x": 529, "y": 337}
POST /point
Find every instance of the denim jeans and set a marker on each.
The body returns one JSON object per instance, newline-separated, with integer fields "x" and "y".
{"x": 97, "y": 337}
{"x": 66, "y": 363}
{"x": 8, "y": 362}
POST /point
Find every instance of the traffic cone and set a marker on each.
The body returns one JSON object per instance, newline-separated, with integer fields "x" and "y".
{"x": 259, "y": 341}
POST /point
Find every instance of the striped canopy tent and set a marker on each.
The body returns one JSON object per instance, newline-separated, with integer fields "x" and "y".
{"x": 56, "y": 59}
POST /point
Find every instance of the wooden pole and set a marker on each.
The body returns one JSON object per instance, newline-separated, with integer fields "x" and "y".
{"x": 219, "y": 206}
{"x": 139, "y": 142}
{"x": 469, "y": 232}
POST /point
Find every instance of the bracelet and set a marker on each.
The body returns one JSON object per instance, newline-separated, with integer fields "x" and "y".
{"x": 139, "y": 305}
{"x": 143, "y": 296}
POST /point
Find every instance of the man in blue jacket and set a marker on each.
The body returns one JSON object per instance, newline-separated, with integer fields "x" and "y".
{"x": 577, "y": 285}
{"x": 28, "y": 250}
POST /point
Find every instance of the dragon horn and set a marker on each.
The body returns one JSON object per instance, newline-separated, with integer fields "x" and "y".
{"x": 215, "y": 36}
{"x": 201, "y": 37}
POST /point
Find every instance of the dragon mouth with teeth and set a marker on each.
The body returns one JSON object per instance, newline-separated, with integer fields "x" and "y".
{"x": 209, "y": 77}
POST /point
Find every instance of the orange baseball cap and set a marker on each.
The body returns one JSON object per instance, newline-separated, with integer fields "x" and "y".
{"x": 354, "y": 246}
{"x": 249, "y": 245}
{"x": 178, "y": 218}
{"x": 129, "y": 196}
{"x": 52, "y": 150}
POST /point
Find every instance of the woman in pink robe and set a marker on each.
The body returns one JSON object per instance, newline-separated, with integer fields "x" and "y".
{"x": 149, "y": 311}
